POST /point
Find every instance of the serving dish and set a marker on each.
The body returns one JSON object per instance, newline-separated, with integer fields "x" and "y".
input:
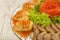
{"x": 37, "y": 20}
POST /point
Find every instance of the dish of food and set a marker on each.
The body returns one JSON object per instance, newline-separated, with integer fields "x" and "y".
{"x": 37, "y": 19}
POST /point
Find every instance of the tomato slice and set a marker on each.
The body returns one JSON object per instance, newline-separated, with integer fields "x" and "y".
{"x": 59, "y": 4}
{"x": 54, "y": 12}
{"x": 51, "y": 7}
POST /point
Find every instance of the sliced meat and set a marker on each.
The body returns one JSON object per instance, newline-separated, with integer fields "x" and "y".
{"x": 58, "y": 25}
{"x": 35, "y": 32}
{"x": 49, "y": 29}
{"x": 34, "y": 36}
{"x": 47, "y": 37}
{"x": 59, "y": 34}
{"x": 54, "y": 27}
{"x": 55, "y": 37}
{"x": 35, "y": 29}
{"x": 34, "y": 26}
{"x": 41, "y": 29}
{"x": 40, "y": 36}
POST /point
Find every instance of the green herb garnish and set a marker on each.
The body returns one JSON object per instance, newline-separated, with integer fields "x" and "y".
{"x": 42, "y": 0}
{"x": 37, "y": 7}
{"x": 56, "y": 19}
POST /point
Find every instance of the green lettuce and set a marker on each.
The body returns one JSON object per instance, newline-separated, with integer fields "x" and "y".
{"x": 39, "y": 18}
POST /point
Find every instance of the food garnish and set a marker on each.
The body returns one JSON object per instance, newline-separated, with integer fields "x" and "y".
{"x": 42, "y": 0}
{"x": 56, "y": 19}
{"x": 41, "y": 19}
{"x": 50, "y": 7}
{"x": 37, "y": 7}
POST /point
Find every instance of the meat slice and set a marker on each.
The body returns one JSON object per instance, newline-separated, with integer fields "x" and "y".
{"x": 54, "y": 27}
{"x": 34, "y": 36}
{"x": 35, "y": 29}
{"x": 35, "y": 32}
{"x": 40, "y": 36}
{"x": 41, "y": 29}
{"x": 47, "y": 37}
{"x": 58, "y": 25}
{"x": 49, "y": 29}
{"x": 59, "y": 34}
{"x": 55, "y": 36}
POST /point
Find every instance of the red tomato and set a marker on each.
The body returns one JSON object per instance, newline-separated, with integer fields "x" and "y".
{"x": 59, "y": 4}
{"x": 50, "y": 7}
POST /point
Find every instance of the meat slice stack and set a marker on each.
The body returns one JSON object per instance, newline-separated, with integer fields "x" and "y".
{"x": 51, "y": 32}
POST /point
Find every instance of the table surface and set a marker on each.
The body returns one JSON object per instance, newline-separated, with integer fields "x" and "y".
{"x": 6, "y": 9}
